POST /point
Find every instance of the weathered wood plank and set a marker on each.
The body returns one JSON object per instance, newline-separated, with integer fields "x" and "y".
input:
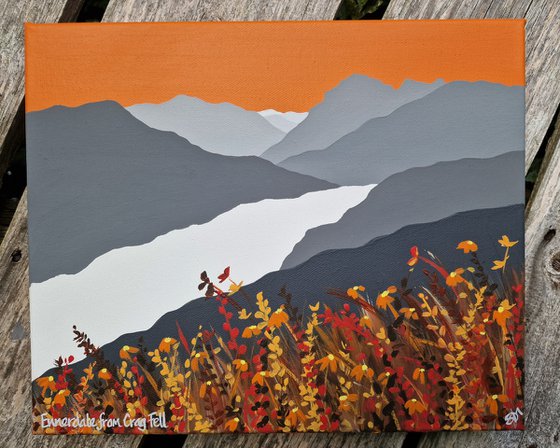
{"x": 543, "y": 57}
{"x": 156, "y": 10}
{"x": 13, "y": 15}
{"x": 15, "y": 366}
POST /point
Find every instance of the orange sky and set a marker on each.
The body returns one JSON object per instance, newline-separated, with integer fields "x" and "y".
{"x": 279, "y": 65}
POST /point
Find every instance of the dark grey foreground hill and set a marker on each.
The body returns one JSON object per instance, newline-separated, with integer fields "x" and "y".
{"x": 376, "y": 265}
{"x": 100, "y": 179}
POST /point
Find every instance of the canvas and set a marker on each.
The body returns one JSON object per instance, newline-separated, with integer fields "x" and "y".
{"x": 276, "y": 227}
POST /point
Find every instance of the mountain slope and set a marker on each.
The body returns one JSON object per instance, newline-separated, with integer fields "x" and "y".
{"x": 100, "y": 179}
{"x": 419, "y": 195}
{"x": 354, "y": 101}
{"x": 376, "y": 265}
{"x": 220, "y": 128}
{"x": 457, "y": 120}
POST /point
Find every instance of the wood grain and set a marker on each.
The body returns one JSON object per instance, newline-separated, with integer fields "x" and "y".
{"x": 14, "y": 14}
{"x": 543, "y": 57}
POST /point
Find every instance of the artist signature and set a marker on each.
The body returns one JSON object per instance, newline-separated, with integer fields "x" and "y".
{"x": 513, "y": 417}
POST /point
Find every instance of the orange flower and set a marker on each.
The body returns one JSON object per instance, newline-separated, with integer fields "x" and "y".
{"x": 329, "y": 362}
{"x": 250, "y": 331}
{"x": 241, "y": 365}
{"x": 166, "y": 344}
{"x": 505, "y": 242}
{"x": 60, "y": 398}
{"x": 409, "y": 313}
{"x": 467, "y": 246}
{"x": 455, "y": 277}
{"x": 360, "y": 370}
{"x": 345, "y": 401}
{"x": 278, "y": 318}
{"x": 354, "y": 292}
{"x": 503, "y": 313}
{"x": 204, "y": 388}
{"x": 126, "y": 351}
{"x": 385, "y": 300}
{"x": 383, "y": 378}
{"x": 47, "y": 382}
{"x": 414, "y": 256}
{"x": 259, "y": 378}
{"x": 295, "y": 416}
{"x": 104, "y": 374}
{"x": 365, "y": 321}
{"x": 197, "y": 359}
{"x": 414, "y": 406}
{"x": 492, "y": 402}
{"x": 231, "y": 425}
{"x": 419, "y": 374}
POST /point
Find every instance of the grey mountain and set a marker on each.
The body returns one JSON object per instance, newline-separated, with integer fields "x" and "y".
{"x": 344, "y": 109}
{"x": 457, "y": 120}
{"x": 100, "y": 179}
{"x": 375, "y": 265}
{"x": 419, "y": 195}
{"x": 220, "y": 128}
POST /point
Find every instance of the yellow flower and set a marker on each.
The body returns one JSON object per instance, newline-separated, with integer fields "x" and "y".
{"x": 328, "y": 362}
{"x": 365, "y": 321}
{"x": 278, "y": 318}
{"x": 166, "y": 344}
{"x": 250, "y": 331}
{"x": 241, "y": 365}
{"x": 104, "y": 374}
{"x": 125, "y": 352}
{"x": 234, "y": 288}
{"x": 360, "y": 371}
{"x": 455, "y": 277}
{"x": 499, "y": 264}
{"x": 414, "y": 406}
{"x": 505, "y": 242}
{"x": 467, "y": 246}
{"x": 385, "y": 300}
{"x": 47, "y": 382}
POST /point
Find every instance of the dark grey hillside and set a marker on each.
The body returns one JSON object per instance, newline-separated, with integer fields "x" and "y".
{"x": 376, "y": 265}
{"x": 100, "y": 179}
{"x": 419, "y": 195}
{"x": 458, "y": 120}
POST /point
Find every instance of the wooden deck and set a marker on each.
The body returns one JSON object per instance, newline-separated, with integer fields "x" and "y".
{"x": 542, "y": 217}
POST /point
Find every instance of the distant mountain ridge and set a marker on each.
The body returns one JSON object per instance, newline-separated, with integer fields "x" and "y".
{"x": 221, "y": 128}
{"x": 457, "y": 120}
{"x": 344, "y": 109}
{"x": 285, "y": 121}
{"x": 419, "y": 195}
{"x": 123, "y": 183}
